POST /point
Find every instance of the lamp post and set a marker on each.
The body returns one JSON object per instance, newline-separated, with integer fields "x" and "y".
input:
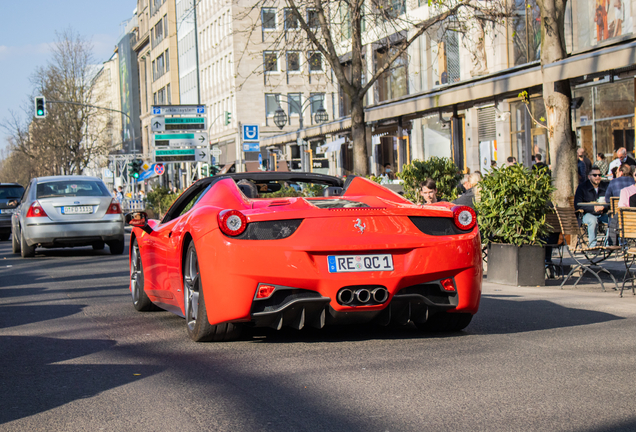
{"x": 280, "y": 120}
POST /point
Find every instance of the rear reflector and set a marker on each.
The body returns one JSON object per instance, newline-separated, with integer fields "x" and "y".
{"x": 448, "y": 285}
{"x": 36, "y": 210}
{"x": 264, "y": 291}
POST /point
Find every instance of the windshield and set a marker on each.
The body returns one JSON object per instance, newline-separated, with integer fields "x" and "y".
{"x": 12, "y": 191}
{"x": 71, "y": 188}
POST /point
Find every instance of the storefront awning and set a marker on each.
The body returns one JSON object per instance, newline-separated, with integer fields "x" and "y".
{"x": 333, "y": 145}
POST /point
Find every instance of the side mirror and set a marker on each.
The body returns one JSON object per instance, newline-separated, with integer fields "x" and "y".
{"x": 139, "y": 220}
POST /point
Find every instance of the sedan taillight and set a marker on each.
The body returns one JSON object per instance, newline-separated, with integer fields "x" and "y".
{"x": 114, "y": 207}
{"x": 36, "y": 210}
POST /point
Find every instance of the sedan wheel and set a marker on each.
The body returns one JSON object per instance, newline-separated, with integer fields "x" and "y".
{"x": 26, "y": 250}
{"x": 15, "y": 243}
{"x": 198, "y": 326}
{"x": 141, "y": 302}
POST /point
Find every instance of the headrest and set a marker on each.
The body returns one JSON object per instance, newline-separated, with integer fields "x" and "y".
{"x": 332, "y": 191}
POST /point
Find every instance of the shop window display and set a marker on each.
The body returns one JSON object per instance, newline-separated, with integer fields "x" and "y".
{"x": 597, "y": 21}
{"x": 528, "y": 136}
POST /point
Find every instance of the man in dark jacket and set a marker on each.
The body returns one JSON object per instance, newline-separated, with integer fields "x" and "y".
{"x": 589, "y": 191}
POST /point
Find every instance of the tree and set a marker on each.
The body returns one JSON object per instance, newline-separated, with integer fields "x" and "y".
{"x": 344, "y": 27}
{"x": 557, "y": 97}
{"x": 72, "y": 136}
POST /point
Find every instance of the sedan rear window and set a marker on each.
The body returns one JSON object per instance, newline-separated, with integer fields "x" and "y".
{"x": 71, "y": 188}
{"x": 12, "y": 191}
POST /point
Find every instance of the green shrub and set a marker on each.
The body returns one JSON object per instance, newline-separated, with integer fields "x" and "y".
{"x": 442, "y": 170}
{"x": 513, "y": 205}
{"x": 160, "y": 200}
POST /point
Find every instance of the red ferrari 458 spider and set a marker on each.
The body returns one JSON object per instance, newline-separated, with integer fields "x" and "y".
{"x": 298, "y": 249}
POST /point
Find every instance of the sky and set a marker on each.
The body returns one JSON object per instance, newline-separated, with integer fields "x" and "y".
{"x": 28, "y": 31}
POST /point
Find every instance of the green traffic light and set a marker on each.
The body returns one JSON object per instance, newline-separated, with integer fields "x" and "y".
{"x": 40, "y": 112}
{"x": 135, "y": 175}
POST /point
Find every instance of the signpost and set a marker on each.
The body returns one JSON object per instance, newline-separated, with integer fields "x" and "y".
{"x": 250, "y": 132}
{"x": 251, "y": 146}
{"x": 178, "y": 109}
{"x": 182, "y": 155}
{"x": 162, "y": 124}
{"x": 159, "y": 169}
{"x": 181, "y": 139}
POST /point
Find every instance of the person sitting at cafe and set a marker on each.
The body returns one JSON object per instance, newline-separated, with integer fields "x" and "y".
{"x": 623, "y": 179}
{"x": 429, "y": 191}
{"x": 621, "y": 158}
{"x": 588, "y": 192}
{"x": 627, "y": 193}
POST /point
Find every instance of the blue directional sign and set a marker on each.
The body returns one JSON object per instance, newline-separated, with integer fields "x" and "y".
{"x": 251, "y": 147}
{"x": 250, "y": 132}
{"x": 260, "y": 159}
{"x": 156, "y": 110}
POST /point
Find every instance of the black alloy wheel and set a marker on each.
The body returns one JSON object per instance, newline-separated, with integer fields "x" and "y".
{"x": 141, "y": 302}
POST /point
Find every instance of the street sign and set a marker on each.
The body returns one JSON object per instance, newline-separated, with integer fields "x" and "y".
{"x": 250, "y": 132}
{"x": 159, "y": 169}
{"x": 216, "y": 152}
{"x": 251, "y": 147}
{"x": 182, "y": 155}
{"x": 181, "y": 139}
{"x": 146, "y": 166}
{"x": 161, "y": 124}
{"x": 260, "y": 159}
{"x": 177, "y": 109}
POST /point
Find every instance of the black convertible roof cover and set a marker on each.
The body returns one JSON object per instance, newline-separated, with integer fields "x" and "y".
{"x": 270, "y": 176}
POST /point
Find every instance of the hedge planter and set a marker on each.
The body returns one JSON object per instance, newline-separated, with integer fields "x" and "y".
{"x": 516, "y": 265}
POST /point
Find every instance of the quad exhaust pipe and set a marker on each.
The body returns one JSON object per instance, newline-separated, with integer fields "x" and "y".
{"x": 362, "y": 296}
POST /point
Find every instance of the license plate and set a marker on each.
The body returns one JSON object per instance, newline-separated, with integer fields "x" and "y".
{"x": 8, "y": 211}
{"x": 77, "y": 210}
{"x": 359, "y": 263}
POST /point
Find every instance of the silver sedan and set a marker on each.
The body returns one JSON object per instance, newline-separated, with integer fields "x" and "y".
{"x": 67, "y": 211}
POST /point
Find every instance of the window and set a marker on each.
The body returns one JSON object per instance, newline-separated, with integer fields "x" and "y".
{"x": 291, "y": 19}
{"x": 155, "y": 98}
{"x": 293, "y": 61}
{"x": 270, "y": 61}
{"x": 391, "y": 9}
{"x": 317, "y": 102}
{"x": 315, "y": 61}
{"x": 345, "y": 22}
{"x": 312, "y": 18}
{"x": 525, "y": 45}
{"x": 271, "y": 103}
{"x": 393, "y": 82}
{"x": 294, "y": 103}
{"x": 168, "y": 93}
{"x": 268, "y": 18}
{"x": 154, "y": 71}
{"x": 165, "y": 56}
{"x": 165, "y": 25}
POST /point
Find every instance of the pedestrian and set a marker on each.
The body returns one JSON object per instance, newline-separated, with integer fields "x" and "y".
{"x": 120, "y": 195}
{"x": 511, "y": 161}
{"x": 428, "y": 191}
{"x": 590, "y": 191}
{"x": 471, "y": 196}
{"x": 627, "y": 193}
{"x": 587, "y": 164}
{"x": 602, "y": 163}
{"x": 621, "y": 158}
{"x": 539, "y": 165}
{"x": 388, "y": 172}
{"x": 623, "y": 179}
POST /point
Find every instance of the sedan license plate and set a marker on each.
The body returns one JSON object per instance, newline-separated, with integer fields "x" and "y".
{"x": 359, "y": 263}
{"x": 7, "y": 211}
{"x": 77, "y": 210}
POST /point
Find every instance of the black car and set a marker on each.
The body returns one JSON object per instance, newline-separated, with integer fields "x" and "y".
{"x": 10, "y": 195}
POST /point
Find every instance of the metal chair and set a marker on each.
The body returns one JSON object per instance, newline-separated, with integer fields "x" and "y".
{"x": 570, "y": 227}
{"x": 627, "y": 230}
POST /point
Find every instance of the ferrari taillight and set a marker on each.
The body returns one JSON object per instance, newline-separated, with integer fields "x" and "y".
{"x": 114, "y": 207}
{"x": 465, "y": 217}
{"x": 232, "y": 222}
{"x": 36, "y": 210}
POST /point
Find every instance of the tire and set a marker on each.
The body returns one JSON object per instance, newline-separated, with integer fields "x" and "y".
{"x": 196, "y": 315}
{"x": 15, "y": 243}
{"x": 98, "y": 246}
{"x": 117, "y": 247}
{"x": 140, "y": 299}
{"x": 446, "y": 322}
{"x": 25, "y": 250}
{"x": 5, "y": 237}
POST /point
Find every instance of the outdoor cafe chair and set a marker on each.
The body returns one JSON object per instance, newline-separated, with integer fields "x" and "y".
{"x": 571, "y": 228}
{"x": 627, "y": 230}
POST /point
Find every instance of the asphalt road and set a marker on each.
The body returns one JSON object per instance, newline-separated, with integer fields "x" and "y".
{"x": 76, "y": 356}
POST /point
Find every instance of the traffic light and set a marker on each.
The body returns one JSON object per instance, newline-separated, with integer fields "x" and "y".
{"x": 40, "y": 107}
{"x": 205, "y": 170}
{"x": 134, "y": 168}
{"x": 227, "y": 118}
